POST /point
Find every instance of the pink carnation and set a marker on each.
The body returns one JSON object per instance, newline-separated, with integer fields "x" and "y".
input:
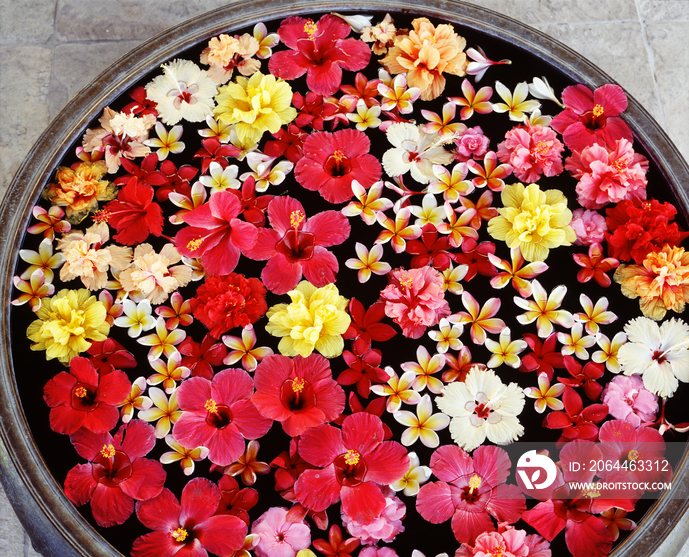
{"x": 384, "y": 527}
{"x": 510, "y": 543}
{"x": 589, "y": 226}
{"x": 608, "y": 176}
{"x": 378, "y": 552}
{"x": 628, "y": 400}
{"x": 415, "y": 299}
{"x": 531, "y": 151}
{"x": 471, "y": 144}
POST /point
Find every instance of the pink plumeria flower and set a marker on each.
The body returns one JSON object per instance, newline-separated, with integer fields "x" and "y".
{"x": 248, "y": 466}
{"x": 113, "y": 308}
{"x": 368, "y": 262}
{"x": 412, "y": 480}
{"x": 397, "y": 232}
{"x": 165, "y": 411}
{"x": 515, "y": 103}
{"x": 424, "y": 368}
{"x": 422, "y": 425}
{"x": 506, "y": 351}
{"x": 459, "y": 227}
{"x": 452, "y": 277}
{"x": 263, "y": 171}
{"x": 545, "y": 395}
{"x": 451, "y": 184}
{"x": 33, "y": 290}
{"x": 162, "y": 342}
{"x": 135, "y": 401}
{"x": 369, "y": 203}
{"x": 428, "y": 212}
{"x": 43, "y": 259}
{"x": 480, "y": 62}
{"x": 543, "y": 309}
{"x": 442, "y": 124}
{"x": 136, "y": 318}
{"x": 167, "y": 141}
{"x": 179, "y": 312}
{"x": 482, "y": 319}
{"x": 514, "y": 272}
{"x": 217, "y": 129}
{"x": 490, "y": 174}
{"x": 365, "y": 116}
{"x": 447, "y": 336}
{"x": 50, "y": 222}
{"x": 265, "y": 41}
{"x": 185, "y": 457}
{"x": 397, "y": 96}
{"x": 576, "y": 343}
{"x": 198, "y": 197}
{"x": 169, "y": 373}
{"x": 245, "y": 349}
{"x": 608, "y": 352}
{"x": 398, "y": 390}
{"x": 594, "y": 316}
{"x": 473, "y": 101}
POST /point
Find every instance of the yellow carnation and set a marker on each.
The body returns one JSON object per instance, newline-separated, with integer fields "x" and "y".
{"x": 316, "y": 319}
{"x": 532, "y": 220}
{"x": 65, "y": 322}
{"x": 256, "y": 105}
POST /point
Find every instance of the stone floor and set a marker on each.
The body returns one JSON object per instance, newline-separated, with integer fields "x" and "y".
{"x": 51, "y": 49}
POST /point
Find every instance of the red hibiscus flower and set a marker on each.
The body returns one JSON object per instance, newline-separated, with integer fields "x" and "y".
{"x": 471, "y": 492}
{"x": 84, "y": 398}
{"x": 228, "y": 301}
{"x": 354, "y": 462}
{"x": 215, "y": 234}
{"x": 296, "y": 245}
{"x": 332, "y": 160}
{"x": 592, "y": 117}
{"x": 117, "y": 474}
{"x": 319, "y": 50}
{"x": 219, "y": 415}
{"x": 300, "y": 393}
{"x": 191, "y": 528}
{"x": 134, "y": 214}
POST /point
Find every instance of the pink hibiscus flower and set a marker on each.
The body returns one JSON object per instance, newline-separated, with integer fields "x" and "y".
{"x": 296, "y": 245}
{"x": 300, "y": 393}
{"x": 190, "y": 527}
{"x": 117, "y": 474}
{"x": 219, "y": 414}
{"x": 531, "y": 151}
{"x": 215, "y": 234}
{"x": 628, "y": 400}
{"x": 279, "y": 537}
{"x": 509, "y": 543}
{"x": 472, "y": 491}
{"x": 332, "y": 160}
{"x": 85, "y": 398}
{"x": 384, "y": 527}
{"x": 592, "y": 117}
{"x": 354, "y": 465}
{"x": 589, "y": 226}
{"x": 320, "y": 50}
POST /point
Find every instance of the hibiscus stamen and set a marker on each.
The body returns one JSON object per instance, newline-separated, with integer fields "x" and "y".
{"x": 352, "y": 457}
{"x": 541, "y": 148}
{"x": 310, "y": 28}
{"x": 498, "y": 551}
{"x": 180, "y": 534}
{"x": 296, "y": 218}
{"x": 407, "y": 281}
{"x": 620, "y": 165}
{"x": 598, "y": 110}
{"x": 474, "y": 483}
{"x": 101, "y": 216}
{"x": 298, "y": 384}
{"x": 108, "y": 451}
{"x": 81, "y": 392}
{"x": 193, "y": 245}
{"x": 633, "y": 455}
{"x": 339, "y": 156}
{"x": 211, "y": 406}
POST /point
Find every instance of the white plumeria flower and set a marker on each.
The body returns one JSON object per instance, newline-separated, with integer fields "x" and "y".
{"x": 136, "y": 318}
{"x": 506, "y": 351}
{"x": 217, "y": 129}
{"x": 451, "y": 184}
{"x": 43, "y": 259}
{"x": 369, "y": 203}
{"x": 196, "y": 199}
{"x": 609, "y": 350}
{"x": 576, "y": 343}
{"x": 365, "y": 116}
{"x": 265, "y": 40}
{"x": 545, "y": 394}
{"x": 264, "y": 173}
{"x": 428, "y": 212}
{"x": 544, "y": 309}
{"x": 245, "y": 349}
{"x": 168, "y": 373}
{"x": 356, "y": 22}
{"x": 396, "y": 95}
{"x": 165, "y": 411}
{"x": 167, "y": 142}
{"x": 422, "y": 425}
{"x": 162, "y": 341}
{"x": 538, "y": 119}
{"x": 541, "y": 89}
{"x": 452, "y": 276}
{"x": 221, "y": 179}
{"x": 136, "y": 400}
{"x": 424, "y": 368}
{"x": 398, "y": 390}
{"x": 447, "y": 336}
{"x": 515, "y": 103}
{"x": 594, "y": 316}
{"x": 185, "y": 457}
{"x": 480, "y": 62}
{"x": 414, "y": 477}
{"x": 368, "y": 262}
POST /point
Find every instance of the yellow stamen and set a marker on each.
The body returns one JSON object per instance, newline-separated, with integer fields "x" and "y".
{"x": 407, "y": 281}
{"x": 541, "y": 148}
{"x": 339, "y": 156}
{"x": 180, "y": 534}
{"x": 498, "y": 551}
{"x": 475, "y": 482}
{"x": 598, "y": 110}
{"x": 310, "y": 28}
{"x": 298, "y": 385}
{"x": 633, "y": 455}
{"x": 81, "y": 392}
{"x": 211, "y": 406}
{"x": 296, "y": 218}
{"x": 101, "y": 216}
{"x": 193, "y": 245}
{"x": 590, "y": 494}
{"x": 620, "y": 165}
{"x": 352, "y": 457}
{"x": 108, "y": 451}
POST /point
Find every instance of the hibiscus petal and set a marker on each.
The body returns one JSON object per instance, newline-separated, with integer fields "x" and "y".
{"x": 466, "y": 525}
{"x": 65, "y": 420}
{"x": 264, "y": 247}
{"x": 249, "y": 421}
{"x": 146, "y": 481}
{"x": 160, "y": 544}
{"x": 137, "y": 438}
{"x": 280, "y": 275}
{"x": 110, "y": 506}
{"x": 321, "y": 445}
{"x": 362, "y": 432}
{"x": 363, "y": 502}
{"x": 321, "y": 269}
{"x": 507, "y": 504}
{"x": 543, "y": 518}
{"x": 231, "y": 385}
{"x": 199, "y": 501}
{"x": 193, "y": 394}
{"x": 450, "y": 462}
{"x": 160, "y": 513}
{"x": 434, "y": 502}
{"x": 330, "y": 228}
{"x": 221, "y": 535}
{"x": 387, "y": 463}
{"x": 317, "y": 489}
{"x": 225, "y": 445}
{"x": 79, "y": 484}
{"x": 589, "y": 538}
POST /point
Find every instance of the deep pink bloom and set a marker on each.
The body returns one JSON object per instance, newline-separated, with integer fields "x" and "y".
{"x": 296, "y": 245}
{"x": 200, "y": 358}
{"x": 384, "y": 527}
{"x": 219, "y": 414}
{"x": 532, "y": 151}
{"x": 278, "y": 536}
{"x": 321, "y": 50}
{"x": 471, "y": 144}
{"x": 415, "y": 299}
{"x": 332, "y": 160}
{"x": 85, "y": 398}
{"x": 583, "y": 376}
{"x": 592, "y": 117}
{"x": 190, "y": 528}
{"x": 577, "y": 421}
{"x": 355, "y": 463}
{"x": 509, "y": 543}
{"x": 116, "y": 474}
{"x": 299, "y": 393}
{"x": 545, "y": 355}
{"x": 375, "y": 551}
{"x": 471, "y": 491}
{"x": 215, "y": 234}
{"x": 589, "y": 226}
{"x": 628, "y": 400}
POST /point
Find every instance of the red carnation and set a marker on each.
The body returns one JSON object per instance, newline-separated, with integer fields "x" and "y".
{"x": 224, "y": 302}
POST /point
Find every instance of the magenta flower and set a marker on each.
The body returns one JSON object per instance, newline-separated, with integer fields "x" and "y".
{"x": 278, "y": 536}
{"x": 296, "y": 245}
{"x": 117, "y": 474}
{"x": 190, "y": 528}
{"x": 384, "y": 527}
{"x": 508, "y": 543}
{"x": 354, "y": 465}
{"x": 219, "y": 415}
{"x": 472, "y": 491}
{"x": 471, "y": 144}
{"x": 628, "y": 400}
{"x": 532, "y": 151}
{"x": 589, "y": 226}
{"x": 320, "y": 50}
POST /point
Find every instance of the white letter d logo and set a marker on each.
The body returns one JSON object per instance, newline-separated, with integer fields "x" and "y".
{"x": 537, "y": 462}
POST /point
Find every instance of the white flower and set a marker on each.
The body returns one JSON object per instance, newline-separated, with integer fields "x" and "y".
{"x": 659, "y": 354}
{"x": 428, "y": 212}
{"x": 422, "y": 425}
{"x": 136, "y": 318}
{"x": 221, "y": 179}
{"x": 264, "y": 173}
{"x": 415, "y": 476}
{"x": 482, "y": 407}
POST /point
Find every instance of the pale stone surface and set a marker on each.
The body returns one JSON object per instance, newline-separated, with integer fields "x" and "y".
{"x": 543, "y": 11}
{"x": 663, "y": 10}
{"x": 20, "y": 25}
{"x": 12, "y": 531}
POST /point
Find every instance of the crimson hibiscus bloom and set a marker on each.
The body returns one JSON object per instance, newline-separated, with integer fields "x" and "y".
{"x": 219, "y": 414}
{"x": 300, "y": 393}
{"x": 215, "y": 234}
{"x": 332, "y": 160}
{"x": 189, "y": 529}
{"x": 319, "y": 50}
{"x": 296, "y": 245}
{"x": 472, "y": 492}
{"x": 354, "y": 462}
{"x": 117, "y": 474}
{"x": 134, "y": 214}
{"x": 85, "y": 398}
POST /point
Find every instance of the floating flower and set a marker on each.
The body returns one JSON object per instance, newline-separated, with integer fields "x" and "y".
{"x": 398, "y": 390}
{"x": 381, "y": 35}
{"x": 480, "y": 62}
{"x": 179, "y": 312}
{"x": 169, "y": 373}
{"x": 595, "y": 265}
{"x": 264, "y": 173}
{"x": 248, "y": 466}
{"x": 368, "y": 262}
{"x": 545, "y": 395}
{"x": 594, "y": 316}
{"x": 415, "y": 476}
{"x": 629, "y": 400}
{"x": 136, "y": 318}
{"x": 516, "y": 272}
{"x": 544, "y": 309}
{"x": 422, "y": 425}
{"x": 506, "y": 351}
{"x": 397, "y": 232}
{"x": 279, "y": 536}
{"x": 135, "y": 401}
{"x": 185, "y": 457}
{"x": 50, "y": 222}
{"x": 397, "y": 96}
{"x": 491, "y": 175}
{"x": 532, "y": 151}
{"x": 162, "y": 341}
{"x": 589, "y": 226}
{"x": 224, "y": 53}
{"x": 383, "y": 528}
{"x": 482, "y": 319}
{"x": 166, "y": 411}
{"x": 33, "y": 290}
{"x": 245, "y": 349}
{"x": 576, "y": 343}
{"x": 471, "y": 143}
{"x": 609, "y": 351}
{"x": 515, "y": 103}
{"x": 167, "y": 142}
{"x": 369, "y": 203}
{"x": 447, "y": 336}
{"x": 473, "y": 101}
